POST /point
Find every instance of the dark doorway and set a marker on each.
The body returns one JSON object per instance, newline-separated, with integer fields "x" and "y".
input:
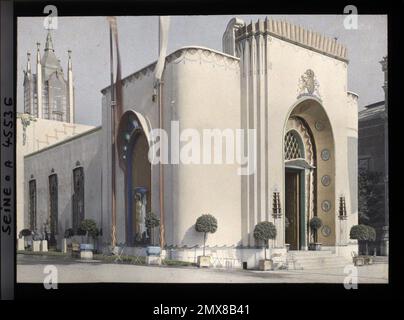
{"x": 32, "y": 205}
{"x": 53, "y": 206}
{"x": 292, "y": 208}
{"x": 140, "y": 191}
{"x": 78, "y": 197}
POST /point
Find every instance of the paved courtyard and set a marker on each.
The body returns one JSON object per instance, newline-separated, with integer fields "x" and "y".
{"x": 30, "y": 269}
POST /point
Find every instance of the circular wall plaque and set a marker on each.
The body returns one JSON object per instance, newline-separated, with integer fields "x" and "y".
{"x": 326, "y": 205}
{"x": 319, "y": 125}
{"x": 325, "y": 154}
{"x": 325, "y": 180}
{"x": 325, "y": 231}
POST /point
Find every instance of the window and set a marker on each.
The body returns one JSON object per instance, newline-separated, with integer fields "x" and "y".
{"x": 78, "y": 197}
{"x": 32, "y": 205}
{"x": 293, "y": 146}
{"x": 53, "y": 204}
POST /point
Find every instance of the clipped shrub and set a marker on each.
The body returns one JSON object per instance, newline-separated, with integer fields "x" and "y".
{"x": 151, "y": 222}
{"x": 315, "y": 224}
{"x": 264, "y": 231}
{"x": 363, "y": 233}
{"x": 89, "y": 226}
{"x": 25, "y": 233}
{"x": 359, "y": 232}
{"x": 206, "y": 223}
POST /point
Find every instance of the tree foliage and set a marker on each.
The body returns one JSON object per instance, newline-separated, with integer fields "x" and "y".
{"x": 370, "y": 209}
{"x": 206, "y": 223}
{"x": 362, "y": 232}
{"x": 151, "y": 220}
{"x": 264, "y": 231}
{"x": 89, "y": 226}
{"x": 25, "y": 232}
{"x": 315, "y": 223}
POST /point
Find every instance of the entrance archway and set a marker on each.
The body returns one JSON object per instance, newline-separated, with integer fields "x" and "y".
{"x": 309, "y": 174}
{"x": 133, "y": 148}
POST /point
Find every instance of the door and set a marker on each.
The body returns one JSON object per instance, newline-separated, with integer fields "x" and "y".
{"x": 292, "y": 200}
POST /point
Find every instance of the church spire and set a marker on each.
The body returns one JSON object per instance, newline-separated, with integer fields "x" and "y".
{"x": 28, "y": 63}
{"x": 49, "y": 42}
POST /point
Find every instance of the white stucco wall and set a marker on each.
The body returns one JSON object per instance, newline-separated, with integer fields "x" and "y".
{"x": 62, "y": 158}
{"x": 40, "y": 133}
{"x": 193, "y": 93}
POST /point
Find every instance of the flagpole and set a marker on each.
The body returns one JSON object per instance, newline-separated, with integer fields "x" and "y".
{"x": 113, "y": 174}
{"x": 160, "y": 102}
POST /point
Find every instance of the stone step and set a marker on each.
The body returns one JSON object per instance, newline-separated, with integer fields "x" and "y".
{"x": 309, "y": 252}
{"x": 324, "y": 258}
{"x": 314, "y": 260}
{"x": 333, "y": 264}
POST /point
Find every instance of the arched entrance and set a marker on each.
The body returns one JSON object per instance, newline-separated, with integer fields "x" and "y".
{"x": 309, "y": 174}
{"x": 133, "y": 148}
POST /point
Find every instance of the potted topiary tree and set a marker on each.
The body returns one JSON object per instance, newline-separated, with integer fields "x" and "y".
{"x": 36, "y": 241}
{"x": 206, "y": 223}
{"x": 363, "y": 234}
{"x": 88, "y": 226}
{"x": 315, "y": 224}
{"x": 23, "y": 236}
{"x": 153, "y": 251}
{"x": 264, "y": 231}
{"x": 69, "y": 233}
{"x": 151, "y": 222}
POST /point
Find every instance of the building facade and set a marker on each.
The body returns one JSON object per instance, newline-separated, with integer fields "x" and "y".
{"x": 286, "y": 84}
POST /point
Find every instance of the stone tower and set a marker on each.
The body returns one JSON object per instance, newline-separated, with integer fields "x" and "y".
{"x": 47, "y": 94}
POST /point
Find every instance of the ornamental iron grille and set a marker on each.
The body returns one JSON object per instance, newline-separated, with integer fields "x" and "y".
{"x": 276, "y": 205}
{"x": 293, "y": 146}
{"x": 32, "y": 205}
{"x": 78, "y": 197}
{"x": 53, "y": 206}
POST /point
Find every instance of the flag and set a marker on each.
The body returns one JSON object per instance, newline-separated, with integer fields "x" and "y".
{"x": 164, "y": 24}
{"x": 118, "y": 82}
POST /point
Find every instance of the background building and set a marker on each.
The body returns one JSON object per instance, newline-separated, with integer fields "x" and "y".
{"x": 373, "y": 166}
{"x": 48, "y": 118}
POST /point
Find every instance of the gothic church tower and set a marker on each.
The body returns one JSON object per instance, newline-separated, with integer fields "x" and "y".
{"x": 47, "y": 94}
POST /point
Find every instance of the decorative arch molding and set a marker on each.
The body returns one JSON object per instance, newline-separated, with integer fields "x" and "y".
{"x": 134, "y": 132}
{"x": 308, "y": 117}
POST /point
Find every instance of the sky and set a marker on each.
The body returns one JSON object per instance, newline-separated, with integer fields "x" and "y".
{"x": 88, "y": 38}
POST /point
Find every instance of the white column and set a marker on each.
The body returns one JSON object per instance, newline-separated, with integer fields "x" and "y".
{"x": 70, "y": 91}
